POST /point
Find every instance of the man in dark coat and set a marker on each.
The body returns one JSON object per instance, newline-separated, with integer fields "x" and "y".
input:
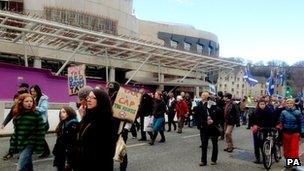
{"x": 206, "y": 112}
{"x": 232, "y": 118}
{"x": 220, "y": 103}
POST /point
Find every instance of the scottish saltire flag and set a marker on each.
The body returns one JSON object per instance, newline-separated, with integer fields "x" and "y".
{"x": 249, "y": 78}
{"x": 270, "y": 84}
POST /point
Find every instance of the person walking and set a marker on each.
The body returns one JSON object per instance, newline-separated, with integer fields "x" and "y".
{"x": 182, "y": 112}
{"x": 29, "y": 131}
{"x": 220, "y": 103}
{"x": 95, "y": 147}
{"x": 42, "y": 107}
{"x": 232, "y": 118}
{"x": 290, "y": 123}
{"x": 66, "y": 132}
{"x": 159, "y": 109}
{"x": 171, "y": 111}
{"x": 206, "y": 112}
{"x": 144, "y": 110}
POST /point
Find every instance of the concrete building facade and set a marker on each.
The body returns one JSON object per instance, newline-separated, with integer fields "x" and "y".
{"x": 116, "y": 17}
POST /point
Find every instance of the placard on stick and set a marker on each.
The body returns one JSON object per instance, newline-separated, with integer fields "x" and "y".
{"x": 126, "y": 104}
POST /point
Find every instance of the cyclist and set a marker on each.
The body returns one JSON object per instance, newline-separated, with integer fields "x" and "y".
{"x": 262, "y": 118}
{"x": 290, "y": 122}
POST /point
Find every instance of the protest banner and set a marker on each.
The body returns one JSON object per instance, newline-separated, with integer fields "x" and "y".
{"x": 76, "y": 78}
{"x": 126, "y": 104}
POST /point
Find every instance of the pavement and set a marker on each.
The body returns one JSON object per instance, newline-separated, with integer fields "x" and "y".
{"x": 180, "y": 152}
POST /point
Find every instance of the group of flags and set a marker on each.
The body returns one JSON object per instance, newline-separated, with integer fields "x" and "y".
{"x": 276, "y": 77}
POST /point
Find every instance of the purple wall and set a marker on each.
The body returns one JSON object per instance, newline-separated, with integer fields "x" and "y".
{"x": 55, "y": 87}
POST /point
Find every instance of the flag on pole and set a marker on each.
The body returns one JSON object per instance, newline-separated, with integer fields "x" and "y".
{"x": 249, "y": 78}
{"x": 270, "y": 84}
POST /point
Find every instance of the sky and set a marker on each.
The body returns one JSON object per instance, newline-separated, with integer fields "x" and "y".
{"x": 251, "y": 29}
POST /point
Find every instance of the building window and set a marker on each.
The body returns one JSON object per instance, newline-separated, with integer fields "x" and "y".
{"x": 277, "y": 92}
{"x": 220, "y": 78}
{"x": 232, "y": 90}
{"x": 199, "y": 48}
{"x": 187, "y": 46}
{"x": 225, "y": 85}
{"x": 83, "y": 20}
{"x": 238, "y": 79}
{"x": 243, "y": 85}
{"x": 237, "y": 92}
{"x": 238, "y": 86}
{"x": 262, "y": 91}
{"x": 232, "y": 83}
{"x": 173, "y": 44}
{"x": 220, "y": 85}
{"x": 227, "y": 78}
{"x": 11, "y": 6}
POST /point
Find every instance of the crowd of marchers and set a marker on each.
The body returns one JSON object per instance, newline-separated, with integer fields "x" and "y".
{"x": 78, "y": 144}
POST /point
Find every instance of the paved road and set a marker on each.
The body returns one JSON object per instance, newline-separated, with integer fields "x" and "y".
{"x": 181, "y": 152}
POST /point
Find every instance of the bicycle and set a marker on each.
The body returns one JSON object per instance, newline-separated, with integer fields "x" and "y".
{"x": 271, "y": 146}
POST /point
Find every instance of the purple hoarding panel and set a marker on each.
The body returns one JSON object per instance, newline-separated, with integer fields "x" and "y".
{"x": 55, "y": 87}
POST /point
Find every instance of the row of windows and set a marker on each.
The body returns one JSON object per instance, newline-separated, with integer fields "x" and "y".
{"x": 187, "y": 47}
{"x": 82, "y": 20}
{"x": 238, "y": 86}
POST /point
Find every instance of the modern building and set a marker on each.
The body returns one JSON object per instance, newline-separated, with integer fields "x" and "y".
{"x": 110, "y": 40}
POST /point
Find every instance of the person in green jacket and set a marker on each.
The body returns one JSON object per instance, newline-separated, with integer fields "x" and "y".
{"x": 29, "y": 131}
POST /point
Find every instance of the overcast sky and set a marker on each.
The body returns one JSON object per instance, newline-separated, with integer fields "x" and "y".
{"x": 251, "y": 29}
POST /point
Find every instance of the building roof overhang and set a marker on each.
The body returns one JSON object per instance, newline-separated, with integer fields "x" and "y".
{"x": 18, "y": 29}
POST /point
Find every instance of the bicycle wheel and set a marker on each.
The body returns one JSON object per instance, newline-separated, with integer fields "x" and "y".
{"x": 266, "y": 152}
{"x": 277, "y": 152}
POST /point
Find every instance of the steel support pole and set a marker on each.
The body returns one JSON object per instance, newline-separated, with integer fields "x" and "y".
{"x": 138, "y": 69}
{"x": 25, "y": 50}
{"x": 185, "y": 76}
{"x": 107, "y": 66}
{"x": 68, "y": 60}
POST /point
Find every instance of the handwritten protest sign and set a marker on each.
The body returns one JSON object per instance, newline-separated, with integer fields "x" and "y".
{"x": 126, "y": 104}
{"x": 76, "y": 78}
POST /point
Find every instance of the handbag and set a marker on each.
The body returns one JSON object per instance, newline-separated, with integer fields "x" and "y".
{"x": 148, "y": 121}
{"x": 121, "y": 150}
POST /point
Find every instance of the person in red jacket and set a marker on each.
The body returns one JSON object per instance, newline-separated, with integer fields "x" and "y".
{"x": 182, "y": 111}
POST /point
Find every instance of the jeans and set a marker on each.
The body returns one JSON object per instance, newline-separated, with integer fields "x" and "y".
{"x": 25, "y": 159}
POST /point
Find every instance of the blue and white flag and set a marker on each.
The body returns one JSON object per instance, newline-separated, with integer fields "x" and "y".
{"x": 249, "y": 78}
{"x": 270, "y": 84}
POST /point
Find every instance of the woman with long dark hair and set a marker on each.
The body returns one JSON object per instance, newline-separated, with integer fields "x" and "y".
{"x": 66, "y": 132}
{"x": 95, "y": 146}
{"x": 42, "y": 107}
{"x": 159, "y": 109}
